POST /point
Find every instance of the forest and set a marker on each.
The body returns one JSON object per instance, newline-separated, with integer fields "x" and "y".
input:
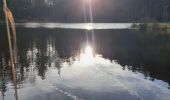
{"x": 103, "y": 10}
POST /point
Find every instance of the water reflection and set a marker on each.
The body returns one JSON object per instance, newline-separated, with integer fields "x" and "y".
{"x": 58, "y": 64}
{"x": 87, "y": 56}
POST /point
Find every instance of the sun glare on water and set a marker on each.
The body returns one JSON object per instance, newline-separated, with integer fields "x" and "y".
{"x": 88, "y": 50}
{"x": 87, "y": 56}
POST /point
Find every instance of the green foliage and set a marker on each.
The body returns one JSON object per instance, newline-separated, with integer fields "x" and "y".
{"x": 143, "y": 27}
{"x": 164, "y": 29}
{"x": 134, "y": 25}
{"x": 155, "y": 27}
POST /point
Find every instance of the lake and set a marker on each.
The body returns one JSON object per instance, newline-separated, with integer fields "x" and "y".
{"x": 55, "y": 63}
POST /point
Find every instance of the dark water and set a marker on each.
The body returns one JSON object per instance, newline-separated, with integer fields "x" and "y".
{"x": 53, "y": 65}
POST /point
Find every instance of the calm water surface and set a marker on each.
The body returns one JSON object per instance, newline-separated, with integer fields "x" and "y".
{"x": 55, "y": 64}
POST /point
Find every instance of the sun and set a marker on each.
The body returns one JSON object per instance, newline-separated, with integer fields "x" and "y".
{"x": 89, "y": 27}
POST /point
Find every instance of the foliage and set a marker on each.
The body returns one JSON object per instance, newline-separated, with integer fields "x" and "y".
{"x": 143, "y": 27}
{"x": 103, "y": 10}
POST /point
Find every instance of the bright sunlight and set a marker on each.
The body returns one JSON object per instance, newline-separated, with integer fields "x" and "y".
{"x": 87, "y": 56}
{"x": 89, "y": 27}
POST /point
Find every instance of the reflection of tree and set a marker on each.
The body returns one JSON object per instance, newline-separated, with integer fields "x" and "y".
{"x": 4, "y": 64}
{"x": 3, "y": 76}
{"x": 45, "y": 55}
{"x": 58, "y": 64}
{"x": 147, "y": 53}
{"x": 36, "y": 53}
{"x": 41, "y": 64}
{"x": 23, "y": 62}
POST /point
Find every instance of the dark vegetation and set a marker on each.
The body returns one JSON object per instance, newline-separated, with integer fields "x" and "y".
{"x": 103, "y": 10}
{"x": 152, "y": 27}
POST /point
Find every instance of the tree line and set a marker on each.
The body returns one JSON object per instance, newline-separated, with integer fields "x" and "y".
{"x": 103, "y": 10}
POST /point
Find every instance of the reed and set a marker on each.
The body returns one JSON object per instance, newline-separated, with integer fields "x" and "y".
{"x": 12, "y": 43}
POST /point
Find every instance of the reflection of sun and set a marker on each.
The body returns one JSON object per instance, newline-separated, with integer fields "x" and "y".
{"x": 88, "y": 50}
{"x": 87, "y": 56}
